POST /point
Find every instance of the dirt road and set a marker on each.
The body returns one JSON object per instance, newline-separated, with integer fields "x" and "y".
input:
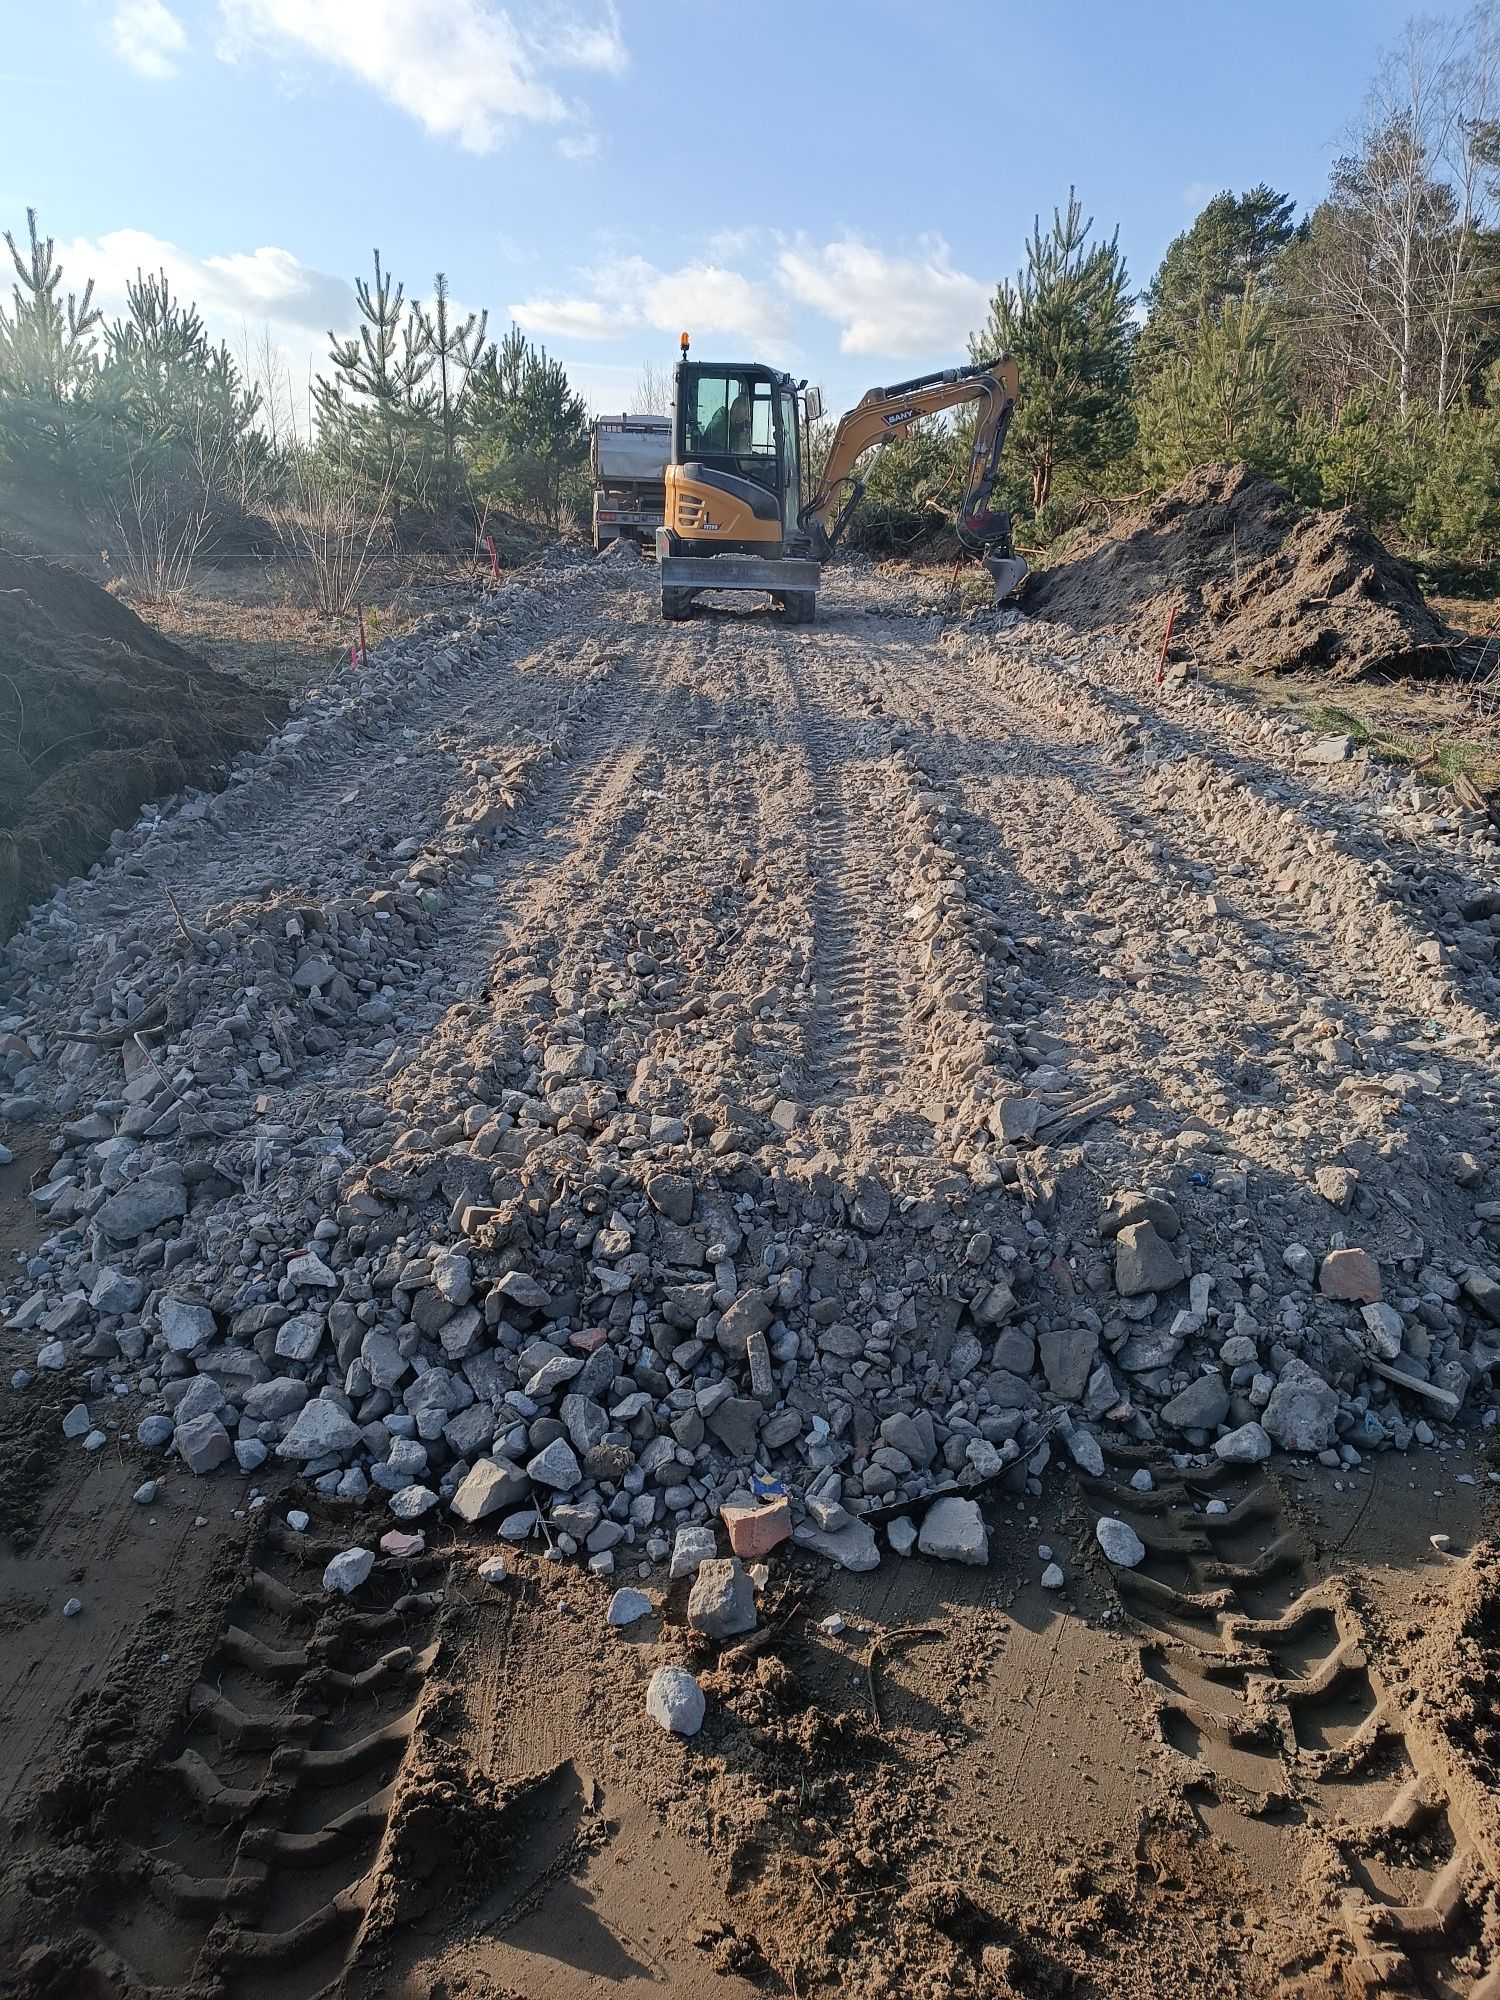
{"x": 904, "y": 980}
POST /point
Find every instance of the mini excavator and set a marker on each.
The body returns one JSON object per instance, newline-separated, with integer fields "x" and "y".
{"x": 736, "y": 518}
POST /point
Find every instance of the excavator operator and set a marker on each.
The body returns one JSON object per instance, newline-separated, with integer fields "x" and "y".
{"x": 730, "y": 427}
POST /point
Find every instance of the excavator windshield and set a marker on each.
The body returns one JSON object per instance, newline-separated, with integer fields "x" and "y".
{"x": 729, "y": 424}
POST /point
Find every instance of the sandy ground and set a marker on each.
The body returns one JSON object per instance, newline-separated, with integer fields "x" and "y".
{"x": 1246, "y": 1768}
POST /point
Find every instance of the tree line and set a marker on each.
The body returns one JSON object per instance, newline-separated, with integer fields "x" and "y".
{"x": 1353, "y": 354}
{"x": 163, "y": 444}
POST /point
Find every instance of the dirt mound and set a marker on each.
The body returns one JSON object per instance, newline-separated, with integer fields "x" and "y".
{"x": 1255, "y": 581}
{"x": 97, "y": 713}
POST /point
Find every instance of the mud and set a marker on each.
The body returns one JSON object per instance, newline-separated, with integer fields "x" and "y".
{"x": 98, "y": 714}
{"x": 1254, "y": 583}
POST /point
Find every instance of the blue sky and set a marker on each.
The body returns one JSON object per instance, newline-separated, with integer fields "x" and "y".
{"x": 835, "y": 188}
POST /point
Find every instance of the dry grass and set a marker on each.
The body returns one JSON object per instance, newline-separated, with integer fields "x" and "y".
{"x": 246, "y": 617}
{"x": 1436, "y": 730}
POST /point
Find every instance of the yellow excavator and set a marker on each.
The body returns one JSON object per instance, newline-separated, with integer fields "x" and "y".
{"x": 738, "y": 516}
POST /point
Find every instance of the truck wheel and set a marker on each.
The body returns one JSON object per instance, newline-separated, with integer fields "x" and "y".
{"x": 676, "y": 603}
{"x": 800, "y": 606}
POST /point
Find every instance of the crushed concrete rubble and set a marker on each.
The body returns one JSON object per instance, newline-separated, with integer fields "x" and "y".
{"x": 505, "y": 1217}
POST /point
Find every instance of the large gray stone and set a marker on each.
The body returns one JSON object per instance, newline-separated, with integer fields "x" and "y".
{"x": 1300, "y": 1415}
{"x": 556, "y": 1466}
{"x": 913, "y": 1435}
{"x": 1015, "y": 1352}
{"x": 1144, "y": 1263}
{"x": 116, "y": 1292}
{"x": 735, "y": 1423}
{"x": 671, "y": 1195}
{"x": 750, "y": 1313}
{"x": 870, "y": 1206}
{"x": 186, "y": 1325}
{"x": 202, "y": 1397}
{"x": 300, "y": 1337}
{"x": 138, "y": 1209}
{"x": 551, "y": 1376}
{"x": 1119, "y": 1541}
{"x": 1248, "y": 1445}
{"x": 587, "y": 1421}
{"x": 1201, "y": 1406}
{"x": 954, "y": 1531}
{"x": 1085, "y": 1451}
{"x": 1067, "y": 1356}
{"x": 693, "y": 1547}
{"x": 453, "y": 1277}
{"x": 675, "y": 1700}
{"x": 348, "y": 1570}
{"x": 321, "y": 1430}
{"x": 203, "y": 1444}
{"x": 488, "y": 1488}
{"x": 628, "y": 1606}
{"x": 388, "y": 1366}
{"x": 722, "y": 1600}
{"x": 269, "y": 1402}
{"x": 852, "y": 1547}
{"x": 1383, "y": 1331}
{"x": 471, "y": 1431}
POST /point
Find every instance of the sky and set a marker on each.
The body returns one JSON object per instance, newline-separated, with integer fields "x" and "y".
{"x": 833, "y": 188}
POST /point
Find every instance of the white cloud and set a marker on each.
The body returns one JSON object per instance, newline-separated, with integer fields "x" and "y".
{"x": 580, "y": 146}
{"x": 633, "y": 296}
{"x": 709, "y": 300}
{"x": 464, "y": 69}
{"x": 572, "y": 319}
{"x": 904, "y": 306}
{"x": 148, "y": 37}
{"x": 242, "y": 295}
{"x": 246, "y": 286}
{"x": 1198, "y": 194}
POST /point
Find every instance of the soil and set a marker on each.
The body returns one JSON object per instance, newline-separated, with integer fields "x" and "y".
{"x": 1248, "y": 1767}
{"x": 1254, "y": 581}
{"x": 1261, "y": 1764}
{"x": 98, "y": 714}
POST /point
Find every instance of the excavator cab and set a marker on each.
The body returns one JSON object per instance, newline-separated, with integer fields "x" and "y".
{"x": 734, "y": 488}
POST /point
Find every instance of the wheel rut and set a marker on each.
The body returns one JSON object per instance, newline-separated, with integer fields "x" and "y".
{"x": 247, "y": 1861}
{"x": 1289, "y": 1741}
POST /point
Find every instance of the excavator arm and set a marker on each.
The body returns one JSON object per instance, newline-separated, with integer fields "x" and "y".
{"x": 882, "y": 414}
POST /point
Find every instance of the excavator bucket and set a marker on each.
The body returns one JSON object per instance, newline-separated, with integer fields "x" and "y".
{"x": 1008, "y": 572}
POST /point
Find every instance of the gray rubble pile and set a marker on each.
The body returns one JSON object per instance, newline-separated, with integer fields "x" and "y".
{"x": 541, "y": 1281}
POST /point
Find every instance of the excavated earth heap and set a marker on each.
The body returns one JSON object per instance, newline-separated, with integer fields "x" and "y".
{"x": 1255, "y": 582}
{"x": 97, "y": 714}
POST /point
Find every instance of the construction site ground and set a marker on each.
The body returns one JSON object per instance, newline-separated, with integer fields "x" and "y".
{"x": 1262, "y": 1763}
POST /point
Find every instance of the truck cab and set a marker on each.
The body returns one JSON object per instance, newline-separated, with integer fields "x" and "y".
{"x": 628, "y": 457}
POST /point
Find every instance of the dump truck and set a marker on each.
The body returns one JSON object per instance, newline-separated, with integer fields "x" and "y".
{"x": 628, "y": 455}
{"x": 741, "y": 511}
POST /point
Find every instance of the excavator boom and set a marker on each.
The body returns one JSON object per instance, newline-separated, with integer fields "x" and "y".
{"x": 886, "y": 413}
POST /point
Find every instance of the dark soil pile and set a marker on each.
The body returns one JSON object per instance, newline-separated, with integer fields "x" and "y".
{"x": 1256, "y": 583}
{"x": 97, "y": 714}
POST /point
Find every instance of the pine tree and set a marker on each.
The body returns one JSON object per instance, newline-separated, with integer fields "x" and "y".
{"x": 528, "y": 430}
{"x": 1219, "y": 394}
{"x": 1456, "y": 508}
{"x": 455, "y": 352}
{"x": 1066, "y": 319}
{"x": 48, "y": 356}
{"x": 46, "y": 346}
{"x": 373, "y": 410}
{"x": 1230, "y": 253}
